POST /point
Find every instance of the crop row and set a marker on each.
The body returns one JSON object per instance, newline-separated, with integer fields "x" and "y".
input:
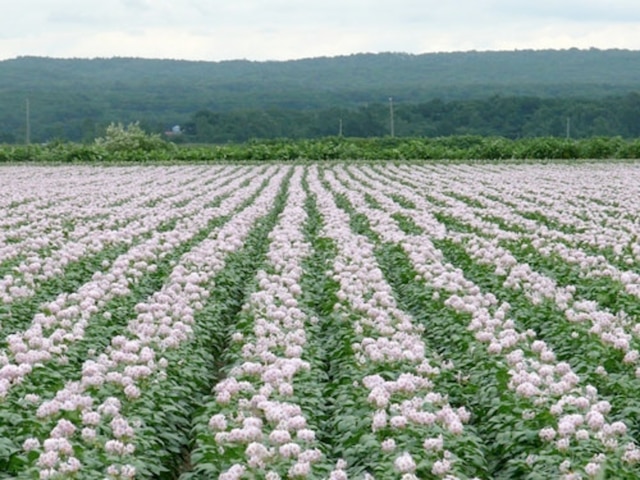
{"x": 341, "y": 321}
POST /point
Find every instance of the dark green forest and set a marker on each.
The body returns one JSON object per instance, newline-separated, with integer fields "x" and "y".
{"x": 510, "y": 117}
{"x": 517, "y": 94}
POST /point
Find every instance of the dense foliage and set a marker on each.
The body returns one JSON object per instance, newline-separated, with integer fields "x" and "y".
{"x": 510, "y": 117}
{"x": 75, "y": 99}
{"x": 461, "y": 147}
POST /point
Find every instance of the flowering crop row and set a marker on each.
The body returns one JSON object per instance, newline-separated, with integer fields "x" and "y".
{"x": 256, "y": 423}
{"x": 538, "y": 378}
{"x": 130, "y": 356}
{"x": 64, "y": 233}
{"x": 416, "y": 432}
{"x": 598, "y": 299}
{"x": 63, "y": 320}
{"x": 369, "y": 321}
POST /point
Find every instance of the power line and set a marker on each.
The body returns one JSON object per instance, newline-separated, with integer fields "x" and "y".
{"x": 391, "y": 125}
{"x": 28, "y": 124}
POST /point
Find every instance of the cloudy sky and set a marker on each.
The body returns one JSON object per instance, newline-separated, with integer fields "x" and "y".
{"x": 289, "y": 29}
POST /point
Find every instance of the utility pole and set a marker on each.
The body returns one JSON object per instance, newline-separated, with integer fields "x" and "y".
{"x": 568, "y": 128}
{"x": 391, "y": 125}
{"x": 340, "y": 130}
{"x": 28, "y": 125}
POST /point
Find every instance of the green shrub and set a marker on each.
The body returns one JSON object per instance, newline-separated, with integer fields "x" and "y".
{"x": 132, "y": 139}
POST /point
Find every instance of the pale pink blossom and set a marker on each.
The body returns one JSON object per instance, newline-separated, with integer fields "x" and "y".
{"x": 404, "y": 463}
{"x": 388, "y": 445}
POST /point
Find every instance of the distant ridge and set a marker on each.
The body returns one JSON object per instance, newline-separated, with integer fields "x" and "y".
{"x": 66, "y": 94}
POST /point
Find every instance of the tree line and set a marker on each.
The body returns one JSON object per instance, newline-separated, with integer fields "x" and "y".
{"x": 510, "y": 117}
{"x": 76, "y": 99}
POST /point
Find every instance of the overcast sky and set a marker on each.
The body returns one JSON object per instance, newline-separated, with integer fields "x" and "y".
{"x": 289, "y": 29}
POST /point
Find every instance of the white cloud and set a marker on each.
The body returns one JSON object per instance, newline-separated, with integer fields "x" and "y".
{"x": 282, "y": 29}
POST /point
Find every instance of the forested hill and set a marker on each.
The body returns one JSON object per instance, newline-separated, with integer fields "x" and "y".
{"x": 75, "y": 98}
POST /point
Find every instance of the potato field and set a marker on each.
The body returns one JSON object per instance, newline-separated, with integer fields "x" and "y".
{"x": 320, "y": 321}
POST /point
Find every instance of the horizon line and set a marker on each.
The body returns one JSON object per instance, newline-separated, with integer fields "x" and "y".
{"x": 320, "y": 57}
